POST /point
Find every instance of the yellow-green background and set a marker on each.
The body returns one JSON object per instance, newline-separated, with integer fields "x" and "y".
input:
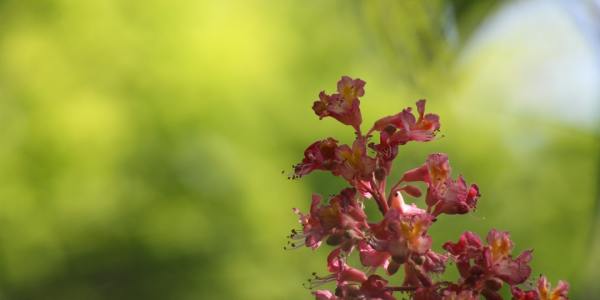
{"x": 142, "y": 142}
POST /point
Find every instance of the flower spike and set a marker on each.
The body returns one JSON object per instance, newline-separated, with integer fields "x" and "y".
{"x": 399, "y": 240}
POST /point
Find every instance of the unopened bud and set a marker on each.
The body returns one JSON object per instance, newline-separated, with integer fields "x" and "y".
{"x": 334, "y": 240}
{"x": 393, "y": 267}
{"x": 493, "y": 284}
{"x": 380, "y": 174}
{"x": 491, "y": 295}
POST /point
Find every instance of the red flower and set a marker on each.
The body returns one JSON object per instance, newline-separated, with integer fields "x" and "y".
{"x": 356, "y": 166}
{"x": 342, "y": 220}
{"x": 375, "y": 288}
{"x": 324, "y": 295}
{"x": 369, "y": 257}
{"x": 312, "y": 230}
{"x": 404, "y": 127}
{"x": 484, "y": 268}
{"x": 320, "y": 155}
{"x": 351, "y": 163}
{"x": 417, "y": 270}
{"x": 499, "y": 260}
{"x": 400, "y": 129}
{"x": 558, "y": 293}
{"x": 434, "y": 262}
{"x": 519, "y": 294}
{"x": 403, "y": 237}
{"x": 468, "y": 247}
{"x": 444, "y": 195}
{"x": 372, "y": 288}
{"x": 543, "y": 291}
{"x": 401, "y": 234}
{"x": 354, "y": 162}
{"x": 344, "y": 105}
{"x": 397, "y": 202}
{"x": 341, "y": 271}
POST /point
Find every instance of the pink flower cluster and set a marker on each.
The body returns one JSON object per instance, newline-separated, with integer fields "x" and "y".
{"x": 400, "y": 239}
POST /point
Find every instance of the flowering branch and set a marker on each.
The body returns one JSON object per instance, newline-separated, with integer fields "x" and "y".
{"x": 400, "y": 238}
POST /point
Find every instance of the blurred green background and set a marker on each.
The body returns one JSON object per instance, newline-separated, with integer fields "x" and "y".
{"x": 142, "y": 142}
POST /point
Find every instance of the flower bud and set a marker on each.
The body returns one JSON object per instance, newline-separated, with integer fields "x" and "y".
{"x": 493, "y": 284}
{"x": 491, "y": 295}
{"x": 334, "y": 240}
{"x": 393, "y": 267}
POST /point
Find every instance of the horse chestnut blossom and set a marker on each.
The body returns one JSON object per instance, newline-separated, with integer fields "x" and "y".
{"x": 542, "y": 291}
{"x": 398, "y": 243}
{"x": 343, "y": 105}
